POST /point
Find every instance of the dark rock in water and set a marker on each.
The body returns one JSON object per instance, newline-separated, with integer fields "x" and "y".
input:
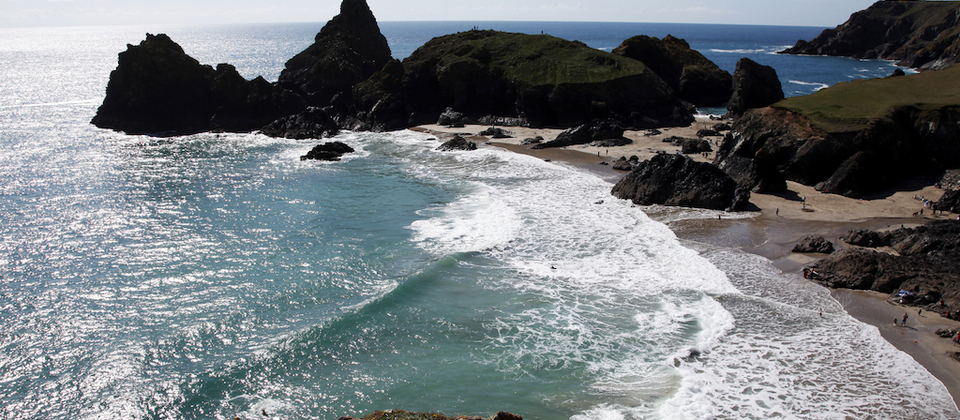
{"x": 332, "y": 151}
{"x": 754, "y": 86}
{"x": 531, "y": 140}
{"x": 695, "y": 78}
{"x": 595, "y": 131}
{"x": 314, "y": 123}
{"x": 457, "y": 143}
{"x": 623, "y": 164}
{"x": 158, "y": 89}
{"x": 675, "y": 180}
{"x": 346, "y": 51}
{"x": 814, "y": 244}
{"x": 928, "y": 263}
{"x": 919, "y": 34}
{"x": 452, "y": 118}
{"x": 495, "y": 132}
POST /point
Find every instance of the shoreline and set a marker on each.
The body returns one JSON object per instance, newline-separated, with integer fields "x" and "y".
{"x": 781, "y": 222}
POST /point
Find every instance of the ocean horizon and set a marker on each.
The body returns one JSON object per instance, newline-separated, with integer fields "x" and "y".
{"x": 218, "y": 276}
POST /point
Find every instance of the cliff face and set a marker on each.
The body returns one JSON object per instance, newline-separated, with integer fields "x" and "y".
{"x": 543, "y": 80}
{"x": 157, "y": 88}
{"x": 695, "y": 78}
{"x": 347, "y": 51}
{"x": 851, "y": 139}
{"x": 919, "y": 34}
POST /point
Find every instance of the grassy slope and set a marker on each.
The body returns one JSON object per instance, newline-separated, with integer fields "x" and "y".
{"x": 539, "y": 59}
{"x": 851, "y": 105}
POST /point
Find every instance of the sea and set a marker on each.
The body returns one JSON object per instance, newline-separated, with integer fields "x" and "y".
{"x": 218, "y": 276}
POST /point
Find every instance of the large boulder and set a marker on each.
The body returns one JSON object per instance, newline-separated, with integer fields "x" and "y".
{"x": 346, "y": 51}
{"x": 921, "y": 34}
{"x": 754, "y": 86}
{"x": 608, "y": 132}
{"x": 694, "y": 77}
{"x": 675, "y": 180}
{"x": 814, "y": 244}
{"x": 158, "y": 89}
{"x": 537, "y": 79}
{"x": 331, "y": 151}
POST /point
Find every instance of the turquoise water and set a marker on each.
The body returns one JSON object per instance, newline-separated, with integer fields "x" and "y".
{"x": 215, "y": 276}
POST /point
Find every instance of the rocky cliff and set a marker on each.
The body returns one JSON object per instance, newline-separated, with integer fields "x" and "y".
{"x": 347, "y": 51}
{"x": 695, "y": 78}
{"x": 926, "y": 263}
{"x": 159, "y": 89}
{"x": 851, "y": 139}
{"x": 538, "y": 79}
{"x": 920, "y": 34}
{"x": 754, "y": 86}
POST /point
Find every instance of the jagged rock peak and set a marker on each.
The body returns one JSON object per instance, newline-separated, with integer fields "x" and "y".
{"x": 347, "y": 50}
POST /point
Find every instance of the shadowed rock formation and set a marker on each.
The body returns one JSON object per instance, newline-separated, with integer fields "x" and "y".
{"x": 675, "y": 180}
{"x": 754, "y": 86}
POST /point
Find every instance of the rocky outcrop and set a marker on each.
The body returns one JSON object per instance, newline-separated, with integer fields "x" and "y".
{"x": 814, "y": 244}
{"x": 769, "y": 146}
{"x": 457, "y": 143}
{"x": 603, "y": 133}
{"x": 314, "y": 123}
{"x": 695, "y": 78}
{"x": 676, "y": 180}
{"x": 754, "y": 86}
{"x": 158, "y": 89}
{"x": 928, "y": 263}
{"x": 689, "y": 146}
{"x": 346, "y": 51}
{"x": 920, "y": 34}
{"x": 331, "y": 151}
{"x": 950, "y": 201}
{"x": 484, "y": 73}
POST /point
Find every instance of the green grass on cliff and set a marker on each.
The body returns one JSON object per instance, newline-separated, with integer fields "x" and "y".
{"x": 535, "y": 59}
{"x": 849, "y": 106}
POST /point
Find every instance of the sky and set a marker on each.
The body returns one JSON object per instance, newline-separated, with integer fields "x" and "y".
{"x": 30, "y": 13}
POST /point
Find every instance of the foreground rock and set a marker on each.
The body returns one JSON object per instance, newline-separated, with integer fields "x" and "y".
{"x": 695, "y": 78}
{"x": 928, "y": 264}
{"x": 158, "y": 89}
{"x": 675, "y": 180}
{"x": 346, "y": 51}
{"x": 920, "y": 34}
{"x": 754, "y": 86}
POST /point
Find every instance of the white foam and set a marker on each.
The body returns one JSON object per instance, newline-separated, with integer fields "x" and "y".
{"x": 818, "y": 85}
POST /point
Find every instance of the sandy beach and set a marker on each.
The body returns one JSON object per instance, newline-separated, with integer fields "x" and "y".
{"x": 783, "y": 220}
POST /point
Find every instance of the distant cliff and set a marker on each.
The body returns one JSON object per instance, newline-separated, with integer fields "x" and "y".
{"x": 918, "y": 34}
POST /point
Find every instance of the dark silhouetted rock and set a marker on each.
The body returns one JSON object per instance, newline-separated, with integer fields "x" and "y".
{"x": 452, "y": 118}
{"x": 950, "y": 201}
{"x": 754, "y": 86}
{"x": 457, "y": 143}
{"x": 897, "y": 73}
{"x": 346, "y": 51}
{"x": 814, "y": 244}
{"x": 708, "y": 133}
{"x": 623, "y": 164}
{"x": 378, "y": 102}
{"x": 676, "y": 180}
{"x": 314, "y": 123}
{"x": 695, "y": 78}
{"x": 158, "y": 89}
{"x": 690, "y": 146}
{"x": 595, "y": 131}
{"x": 331, "y": 151}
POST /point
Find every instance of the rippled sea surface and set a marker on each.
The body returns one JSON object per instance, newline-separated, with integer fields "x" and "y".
{"x": 217, "y": 275}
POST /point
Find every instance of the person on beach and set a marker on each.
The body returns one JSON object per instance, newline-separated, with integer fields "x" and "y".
{"x": 904, "y": 323}
{"x": 895, "y": 322}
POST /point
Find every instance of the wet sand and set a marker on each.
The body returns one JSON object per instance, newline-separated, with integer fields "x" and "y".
{"x": 782, "y": 221}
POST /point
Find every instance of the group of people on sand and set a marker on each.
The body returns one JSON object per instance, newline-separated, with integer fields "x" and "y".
{"x": 903, "y": 323}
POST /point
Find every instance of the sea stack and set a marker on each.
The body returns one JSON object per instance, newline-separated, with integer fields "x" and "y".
{"x": 348, "y": 50}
